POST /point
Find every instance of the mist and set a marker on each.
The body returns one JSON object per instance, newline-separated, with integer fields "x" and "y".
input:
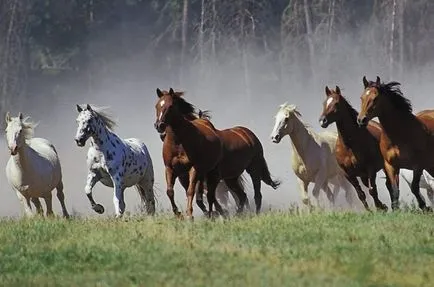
{"x": 235, "y": 94}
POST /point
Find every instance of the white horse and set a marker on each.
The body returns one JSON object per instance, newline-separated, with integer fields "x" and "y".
{"x": 313, "y": 155}
{"x": 33, "y": 170}
{"x": 426, "y": 182}
{"x": 117, "y": 163}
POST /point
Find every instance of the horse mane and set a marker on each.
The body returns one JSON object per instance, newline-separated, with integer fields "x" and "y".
{"x": 28, "y": 128}
{"x": 292, "y": 109}
{"x": 395, "y": 95}
{"x": 350, "y": 108}
{"x": 102, "y": 113}
{"x": 206, "y": 114}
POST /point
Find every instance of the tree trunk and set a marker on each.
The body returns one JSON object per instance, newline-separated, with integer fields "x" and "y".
{"x": 332, "y": 4}
{"x": 392, "y": 40}
{"x": 201, "y": 36}
{"x": 183, "y": 38}
{"x": 310, "y": 39}
{"x": 401, "y": 38}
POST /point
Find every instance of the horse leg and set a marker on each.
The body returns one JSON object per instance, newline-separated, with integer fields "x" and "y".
{"x": 374, "y": 192}
{"x": 146, "y": 190}
{"x": 199, "y": 196}
{"x": 92, "y": 179}
{"x": 360, "y": 193}
{"x": 38, "y": 205}
{"x": 415, "y": 189}
{"x": 61, "y": 198}
{"x": 118, "y": 199}
{"x": 212, "y": 182}
{"x": 304, "y": 194}
{"x": 256, "y": 181}
{"x": 235, "y": 187}
{"x": 320, "y": 181}
{"x": 25, "y": 201}
{"x": 329, "y": 193}
{"x": 430, "y": 187}
{"x": 193, "y": 180}
{"x": 222, "y": 194}
{"x": 170, "y": 182}
{"x": 49, "y": 204}
{"x": 392, "y": 174}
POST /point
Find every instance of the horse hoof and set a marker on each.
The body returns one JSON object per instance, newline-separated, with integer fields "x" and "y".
{"x": 190, "y": 218}
{"x": 428, "y": 209}
{"x": 98, "y": 208}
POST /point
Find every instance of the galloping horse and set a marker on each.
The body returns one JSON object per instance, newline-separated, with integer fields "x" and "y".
{"x": 407, "y": 140}
{"x": 33, "y": 170}
{"x": 200, "y": 141}
{"x": 115, "y": 162}
{"x": 241, "y": 150}
{"x": 357, "y": 150}
{"x": 313, "y": 158}
{"x": 177, "y": 164}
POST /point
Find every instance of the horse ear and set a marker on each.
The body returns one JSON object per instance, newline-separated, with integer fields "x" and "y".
{"x": 20, "y": 116}
{"x": 365, "y": 82}
{"x": 8, "y": 117}
{"x": 378, "y": 81}
{"x": 159, "y": 93}
{"x": 79, "y": 109}
{"x": 171, "y": 92}
{"x": 338, "y": 90}
{"x": 327, "y": 91}
{"x": 88, "y": 107}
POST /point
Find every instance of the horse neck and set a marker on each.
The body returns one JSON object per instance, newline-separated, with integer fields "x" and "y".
{"x": 395, "y": 124}
{"x": 170, "y": 137}
{"x": 184, "y": 132}
{"x": 21, "y": 159}
{"x": 300, "y": 136}
{"x": 347, "y": 125}
{"x": 105, "y": 139}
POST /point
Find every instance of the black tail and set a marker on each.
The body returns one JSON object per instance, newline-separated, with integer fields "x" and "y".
{"x": 266, "y": 176}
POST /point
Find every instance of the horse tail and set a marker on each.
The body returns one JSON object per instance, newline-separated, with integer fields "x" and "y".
{"x": 266, "y": 175}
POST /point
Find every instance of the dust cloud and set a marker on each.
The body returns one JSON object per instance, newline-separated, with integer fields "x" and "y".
{"x": 129, "y": 91}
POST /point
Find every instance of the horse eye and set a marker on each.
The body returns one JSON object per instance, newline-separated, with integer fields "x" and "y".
{"x": 286, "y": 120}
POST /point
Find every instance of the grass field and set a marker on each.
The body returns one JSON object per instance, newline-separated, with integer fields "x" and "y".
{"x": 274, "y": 249}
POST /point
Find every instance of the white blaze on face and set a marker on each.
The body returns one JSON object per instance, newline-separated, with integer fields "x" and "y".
{"x": 278, "y": 124}
{"x": 328, "y": 102}
{"x": 161, "y": 114}
{"x": 368, "y": 92}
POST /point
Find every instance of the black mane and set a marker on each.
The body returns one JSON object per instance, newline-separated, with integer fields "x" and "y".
{"x": 392, "y": 91}
{"x": 190, "y": 110}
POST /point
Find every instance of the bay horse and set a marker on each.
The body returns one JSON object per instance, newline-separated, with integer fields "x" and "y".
{"x": 313, "y": 158}
{"x": 357, "y": 149}
{"x": 177, "y": 164}
{"x": 407, "y": 140}
{"x": 242, "y": 150}
{"x": 33, "y": 169}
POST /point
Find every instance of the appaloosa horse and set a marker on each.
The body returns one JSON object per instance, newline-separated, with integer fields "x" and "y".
{"x": 357, "y": 150}
{"x": 407, "y": 140}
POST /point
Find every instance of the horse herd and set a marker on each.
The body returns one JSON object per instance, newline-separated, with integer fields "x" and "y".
{"x": 204, "y": 158}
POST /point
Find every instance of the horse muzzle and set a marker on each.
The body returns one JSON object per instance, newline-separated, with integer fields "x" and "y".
{"x": 276, "y": 138}
{"x": 323, "y": 122}
{"x": 362, "y": 121}
{"x": 80, "y": 142}
{"x": 160, "y": 126}
{"x": 13, "y": 149}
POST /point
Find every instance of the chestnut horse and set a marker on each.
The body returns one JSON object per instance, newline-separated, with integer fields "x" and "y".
{"x": 242, "y": 150}
{"x": 200, "y": 141}
{"x": 357, "y": 150}
{"x": 407, "y": 140}
{"x": 177, "y": 163}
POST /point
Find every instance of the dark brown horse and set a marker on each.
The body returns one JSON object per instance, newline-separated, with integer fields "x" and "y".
{"x": 242, "y": 150}
{"x": 177, "y": 164}
{"x": 200, "y": 141}
{"x": 357, "y": 149}
{"x": 407, "y": 140}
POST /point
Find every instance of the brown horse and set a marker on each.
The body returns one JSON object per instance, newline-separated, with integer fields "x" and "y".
{"x": 177, "y": 163}
{"x": 242, "y": 150}
{"x": 407, "y": 140}
{"x": 357, "y": 150}
{"x": 200, "y": 141}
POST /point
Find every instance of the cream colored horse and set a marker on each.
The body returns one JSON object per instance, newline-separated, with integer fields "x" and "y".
{"x": 33, "y": 170}
{"x": 313, "y": 157}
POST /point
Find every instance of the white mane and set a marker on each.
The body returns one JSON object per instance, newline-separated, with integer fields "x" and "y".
{"x": 27, "y": 127}
{"x": 289, "y": 109}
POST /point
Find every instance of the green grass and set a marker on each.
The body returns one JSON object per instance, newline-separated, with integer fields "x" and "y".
{"x": 274, "y": 249}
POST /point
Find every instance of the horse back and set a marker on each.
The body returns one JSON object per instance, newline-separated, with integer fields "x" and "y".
{"x": 427, "y": 118}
